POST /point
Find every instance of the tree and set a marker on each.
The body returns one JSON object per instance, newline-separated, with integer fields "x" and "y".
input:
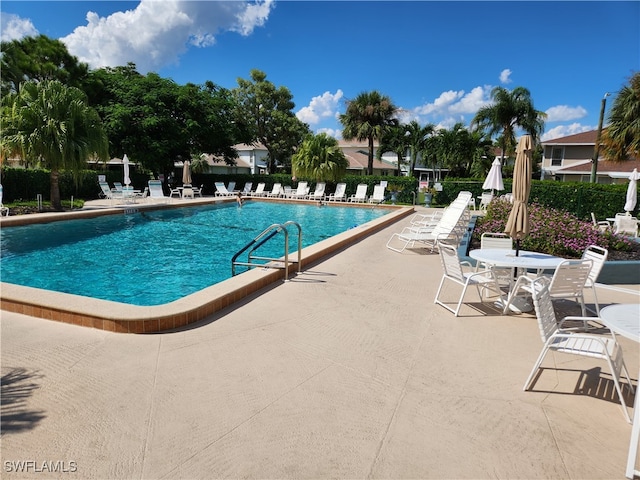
{"x": 621, "y": 139}
{"x": 39, "y": 58}
{"x": 319, "y": 157}
{"x": 368, "y": 117}
{"x": 266, "y": 112}
{"x": 510, "y": 109}
{"x": 54, "y": 124}
{"x": 417, "y": 139}
{"x": 394, "y": 140}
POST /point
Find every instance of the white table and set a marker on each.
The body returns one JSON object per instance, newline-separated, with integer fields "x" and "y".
{"x": 624, "y": 320}
{"x": 506, "y": 258}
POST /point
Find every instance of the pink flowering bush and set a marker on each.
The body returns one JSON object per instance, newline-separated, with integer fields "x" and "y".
{"x": 551, "y": 231}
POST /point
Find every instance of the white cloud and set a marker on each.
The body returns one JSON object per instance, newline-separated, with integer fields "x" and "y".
{"x": 504, "y": 76}
{"x": 440, "y": 104}
{"x": 155, "y": 33}
{"x": 454, "y": 105}
{"x": 320, "y": 107}
{"x": 564, "y": 130}
{"x": 332, "y": 132}
{"x": 472, "y": 101}
{"x": 564, "y": 113}
{"x": 14, "y": 27}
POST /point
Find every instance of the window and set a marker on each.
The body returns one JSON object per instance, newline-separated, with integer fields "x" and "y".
{"x": 556, "y": 156}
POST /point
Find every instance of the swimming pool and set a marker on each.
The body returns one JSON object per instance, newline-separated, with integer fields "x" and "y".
{"x": 155, "y": 257}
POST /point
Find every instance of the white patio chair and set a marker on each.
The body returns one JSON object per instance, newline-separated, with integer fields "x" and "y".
{"x": 318, "y": 193}
{"x": 485, "y": 200}
{"x": 197, "y": 191}
{"x": 275, "y": 191}
{"x": 361, "y": 194}
{"x": 301, "y": 191}
{"x": 221, "y": 190}
{"x": 558, "y": 339}
{"x": 259, "y": 191}
{"x": 598, "y": 256}
{"x": 378, "y": 194}
{"x": 156, "y": 192}
{"x": 246, "y": 190}
{"x": 602, "y": 225}
{"x": 626, "y": 225}
{"x": 501, "y": 241}
{"x": 3, "y": 210}
{"x": 484, "y": 280}
{"x": 567, "y": 282}
{"x": 339, "y": 194}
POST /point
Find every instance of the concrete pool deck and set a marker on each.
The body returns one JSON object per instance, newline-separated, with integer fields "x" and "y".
{"x": 349, "y": 370}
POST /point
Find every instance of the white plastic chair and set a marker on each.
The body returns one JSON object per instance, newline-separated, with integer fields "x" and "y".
{"x": 301, "y": 192}
{"x": 318, "y": 193}
{"x": 598, "y": 256}
{"x": 501, "y": 241}
{"x": 483, "y": 280}
{"x": 626, "y": 225}
{"x": 339, "y": 194}
{"x": 378, "y": 194}
{"x": 221, "y": 190}
{"x": 259, "y": 191}
{"x": 485, "y": 200}
{"x": 197, "y": 191}
{"x": 601, "y": 225}
{"x": 361, "y": 194}
{"x": 3, "y": 210}
{"x": 558, "y": 339}
{"x": 275, "y": 191}
{"x": 568, "y": 282}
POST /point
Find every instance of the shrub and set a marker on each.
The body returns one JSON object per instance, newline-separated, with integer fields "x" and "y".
{"x": 551, "y": 231}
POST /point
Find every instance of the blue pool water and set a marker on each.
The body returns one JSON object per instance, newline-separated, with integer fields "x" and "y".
{"x": 155, "y": 257}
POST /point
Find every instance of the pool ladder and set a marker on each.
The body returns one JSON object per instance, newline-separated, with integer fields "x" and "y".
{"x": 263, "y": 238}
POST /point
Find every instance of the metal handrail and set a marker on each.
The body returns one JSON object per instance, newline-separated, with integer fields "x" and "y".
{"x": 266, "y": 235}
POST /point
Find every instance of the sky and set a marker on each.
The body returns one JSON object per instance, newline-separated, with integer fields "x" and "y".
{"x": 437, "y": 61}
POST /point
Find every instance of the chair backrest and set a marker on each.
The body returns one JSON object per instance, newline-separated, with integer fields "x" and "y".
{"x": 319, "y": 189}
{"x": 361, "y": 191}
{"x": 570, "y": 277}
{"x": 302, "y": 188}
{"x": 231, "y": 187}
{"x": 545, "y": 314}
{"x": 145, "y": 193}
{"x": 117, "y": 186}
{"x": 221, "y": 188}
{"x": 626, "y": 224}
{"x": 247, "y": 187}
{"x": 496, "y": 240}
{"x": 276, "y": 189}
{"x": 450, "y": 261}
{"x": 593, "y": 219}
{"x": 340, "y": 189}
{"x": 260, "y": 187}
{"x": 155, "y": 189}
{"x": 105, "y": 188}
{"x": 0, "y": 194}
{"x": 378, "y": 192}
{"x": 598, "y": 256}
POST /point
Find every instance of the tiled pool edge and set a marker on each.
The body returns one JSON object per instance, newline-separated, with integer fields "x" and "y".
{"x": 125, "y": 318}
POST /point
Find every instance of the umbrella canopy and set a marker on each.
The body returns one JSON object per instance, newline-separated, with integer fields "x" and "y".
{"x": 186, "y": 173}
{"x": 494, "y": 178}
{"x": 632, "y": 191}
{"x": 125, "y": 162}
{"x": 518, "y": 223}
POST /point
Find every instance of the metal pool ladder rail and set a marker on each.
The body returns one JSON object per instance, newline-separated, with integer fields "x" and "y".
{"x": 263, "y": 238}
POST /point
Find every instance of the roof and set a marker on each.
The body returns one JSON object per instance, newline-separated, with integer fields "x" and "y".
{"x": 614, "y": 169}
{"x": 360, "y": 161}
{"x": 584, "y": 138}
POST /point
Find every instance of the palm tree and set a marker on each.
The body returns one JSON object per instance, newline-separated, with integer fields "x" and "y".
{"x": 417, "y": 139}
{"x": 394, "y": 140}
{"x": 510, "y": 109}
{"x": 621, "y": 139}
{"x": 367, "y": 118}
{"x": 54, "y": 124}
{"x": 319, "y": 157}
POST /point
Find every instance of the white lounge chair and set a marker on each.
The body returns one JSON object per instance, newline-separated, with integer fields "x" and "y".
{"x": 567, "y": 340}
{"x": 276, "y": 191}
{"x": 110, "y": 194}
{"x": 318, "y": 193}
{"x": 452, "y": 271}
{"x": 246, "y": 190}
{"x": 339, "y": 194}
{"x": 156, "y": 193}
{"x": 231, "y": 188}
{"x": 221, "y": 190}
{"x": 301, "y": 192}
{"x": 3, "y": 210}
{"x": 378, "y": 194}
{"x": 259, "y": 191}
{"x": 361, "y": 194}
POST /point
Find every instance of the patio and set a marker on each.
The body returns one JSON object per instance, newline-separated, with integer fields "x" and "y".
{"x": 349, "y": 370}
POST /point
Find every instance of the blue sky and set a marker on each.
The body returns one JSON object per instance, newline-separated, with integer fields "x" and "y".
{"x": 437, "y": 61}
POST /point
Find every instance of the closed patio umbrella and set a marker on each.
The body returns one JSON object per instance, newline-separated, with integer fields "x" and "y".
{"x": 186, "y": 173}
{"x": 494, "y": 177}
{"x": 632, "y": 191}
{"x": 125, "y": 163}
{"x": 518, "y": 223}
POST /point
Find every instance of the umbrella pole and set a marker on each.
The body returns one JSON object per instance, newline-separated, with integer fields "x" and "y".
{"x": 517, "y": 247}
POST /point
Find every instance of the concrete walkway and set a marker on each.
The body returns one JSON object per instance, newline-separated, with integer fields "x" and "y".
{"x": 347, "y": 371}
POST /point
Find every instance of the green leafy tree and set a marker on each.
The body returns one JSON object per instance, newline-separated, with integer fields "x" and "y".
{"x": 417, "y": 136}
{"x": 510, "y": 110}
{"x": 266, "y": 113}
{"x": 54, "y": 124}
{"x": 319, "y": 157}
{"x": 39, "y": 58}
{"x": 368, "y": 117}
{"x": 621, "y": 139}
{"x": 394, "y": 140}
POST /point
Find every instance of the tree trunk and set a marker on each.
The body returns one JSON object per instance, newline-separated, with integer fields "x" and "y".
{"x": 56, "y": 203}
{"x": 370, "y": 165}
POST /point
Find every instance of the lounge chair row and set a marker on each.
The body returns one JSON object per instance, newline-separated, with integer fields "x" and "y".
{"x": 301, "y": 192}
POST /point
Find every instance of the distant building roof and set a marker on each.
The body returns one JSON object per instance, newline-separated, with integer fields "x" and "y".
{"x": 613, "y": 169}
{"x": 584, "y": 138}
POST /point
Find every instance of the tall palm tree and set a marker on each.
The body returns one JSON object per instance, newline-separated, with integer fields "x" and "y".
{"x": 621, "y": 139}
{"x": 417, "y": 139}
{"x": 53, "y": 124}
{"x": 509, "y": 110}
{"x": 394, "y": 140}
{"x": 319, "y": 157}
{"x": 367, "y": 118}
